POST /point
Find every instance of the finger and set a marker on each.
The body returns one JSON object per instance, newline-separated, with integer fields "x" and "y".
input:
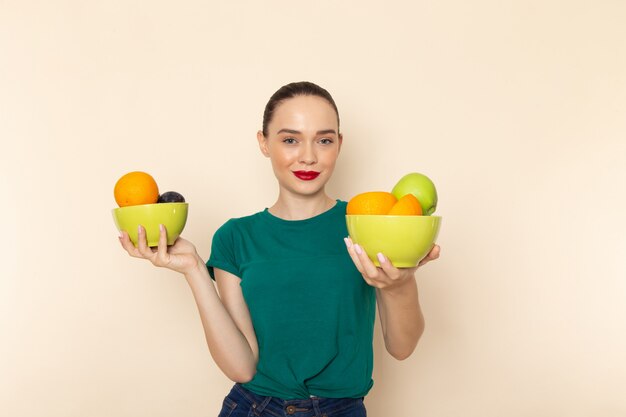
{"x": 386, "y": 265}
{"x": 357, "y": 261}
{"x": 368, "y": 266}
{"x": 162, "y": 254}
{"x": 128, "y": 245}
{"x": 432, "y": 255}
{"x": 434, "y": 252}
{"x": 353, "y": 255}
{"x": 142, "y": 244}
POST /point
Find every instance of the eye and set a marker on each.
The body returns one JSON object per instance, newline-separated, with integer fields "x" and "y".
{"x": 289, "y": 141}
{"x": 326, "y": 141}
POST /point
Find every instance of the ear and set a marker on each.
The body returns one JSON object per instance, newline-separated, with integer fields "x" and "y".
{"x": 260, "y": 137}
{"x": 340, "y": 142}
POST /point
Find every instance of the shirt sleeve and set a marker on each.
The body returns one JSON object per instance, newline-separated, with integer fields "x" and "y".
{"x": 223, "y": 251}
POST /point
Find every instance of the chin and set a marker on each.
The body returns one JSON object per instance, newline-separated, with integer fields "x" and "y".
{"x": 307, "y": 189}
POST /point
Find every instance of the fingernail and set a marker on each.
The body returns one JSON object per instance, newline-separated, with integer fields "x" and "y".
{"x": 358, "y": 249}
{"x": 381, "y": 258}
{"x": 345, "y": 239}
{"x": 139, "y": 229}
{"x": 161, "y": 227}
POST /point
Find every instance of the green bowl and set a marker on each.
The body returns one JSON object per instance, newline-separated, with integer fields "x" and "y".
{"x": 150, "y": 216}
{"x": 404, "y": 240}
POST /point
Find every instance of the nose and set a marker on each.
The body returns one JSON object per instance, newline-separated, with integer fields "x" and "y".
{"x": 307, "y": 154}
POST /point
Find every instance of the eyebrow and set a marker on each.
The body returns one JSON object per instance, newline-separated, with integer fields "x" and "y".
{"x": 296, "y": 132}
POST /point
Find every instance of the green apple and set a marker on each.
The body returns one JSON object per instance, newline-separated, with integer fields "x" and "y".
{"x": 421, "y": 187}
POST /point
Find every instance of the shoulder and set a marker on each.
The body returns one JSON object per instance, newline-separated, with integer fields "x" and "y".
{"x": 340, "y": 208}
{"x": 237, "y": 224}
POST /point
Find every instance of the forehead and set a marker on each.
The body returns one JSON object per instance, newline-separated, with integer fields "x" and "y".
{"x": 302, "y": 112}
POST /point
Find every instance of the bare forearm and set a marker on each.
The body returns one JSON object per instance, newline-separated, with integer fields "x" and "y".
{"x": 229, "y": 348}
{"x": 401, "y": 317}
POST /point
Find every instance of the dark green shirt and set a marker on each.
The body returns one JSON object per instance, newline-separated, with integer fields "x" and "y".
{"x": 312, "y": 312}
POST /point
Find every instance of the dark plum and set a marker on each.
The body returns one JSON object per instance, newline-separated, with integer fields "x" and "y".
{"x": 171, "y": 197}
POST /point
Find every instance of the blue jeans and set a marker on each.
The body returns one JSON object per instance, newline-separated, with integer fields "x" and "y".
{"x": 241, "y": 402}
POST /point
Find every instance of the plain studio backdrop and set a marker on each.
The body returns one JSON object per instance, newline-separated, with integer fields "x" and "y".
{"x": 516, "y": 110}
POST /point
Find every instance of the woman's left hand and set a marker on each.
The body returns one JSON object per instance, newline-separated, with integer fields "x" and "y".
{"x": 386, "y": 276}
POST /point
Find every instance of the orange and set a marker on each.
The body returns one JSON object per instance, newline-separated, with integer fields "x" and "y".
{"x": 136, "y": 188}
{"x": 407, "y": 205}
{"x": 373, "y": 202}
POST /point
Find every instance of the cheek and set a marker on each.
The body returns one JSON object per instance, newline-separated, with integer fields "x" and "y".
{"x": 330, "y": 156}
{"x": 282, "y": 157}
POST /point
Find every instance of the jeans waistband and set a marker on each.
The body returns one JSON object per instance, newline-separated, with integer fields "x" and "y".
{"x": 313, "y": 405}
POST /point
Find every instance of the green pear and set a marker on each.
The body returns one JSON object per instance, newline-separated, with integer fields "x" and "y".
{"x": 421, "y": 187}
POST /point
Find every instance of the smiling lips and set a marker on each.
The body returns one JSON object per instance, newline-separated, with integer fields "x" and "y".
{"x": 306, "y": 175}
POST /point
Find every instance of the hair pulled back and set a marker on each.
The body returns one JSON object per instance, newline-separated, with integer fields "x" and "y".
{"x": 301, "y": 88}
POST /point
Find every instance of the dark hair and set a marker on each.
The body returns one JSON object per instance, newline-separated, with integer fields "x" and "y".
{"x": 302, "y": 88}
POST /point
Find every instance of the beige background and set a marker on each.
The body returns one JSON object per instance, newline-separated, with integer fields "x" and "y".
{"x": 515, "y": 109}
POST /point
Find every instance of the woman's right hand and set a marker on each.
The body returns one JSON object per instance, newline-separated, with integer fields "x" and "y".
{"x": 181, "y": 256}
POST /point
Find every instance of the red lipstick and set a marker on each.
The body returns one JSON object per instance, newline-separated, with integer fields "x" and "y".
{"x": 306, "y": 175}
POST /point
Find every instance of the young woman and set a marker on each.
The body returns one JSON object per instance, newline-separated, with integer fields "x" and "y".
{"x": 291, "y": 321}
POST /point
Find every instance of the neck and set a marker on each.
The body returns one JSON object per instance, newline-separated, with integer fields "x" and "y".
{"x": 299, "y": 207}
